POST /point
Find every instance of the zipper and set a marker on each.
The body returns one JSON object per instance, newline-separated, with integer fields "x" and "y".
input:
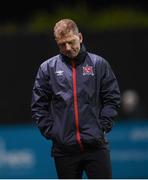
{"x": 76, "y": 112}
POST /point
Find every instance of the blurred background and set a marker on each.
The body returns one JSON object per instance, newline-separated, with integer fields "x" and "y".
{"x": 116, "y": 30}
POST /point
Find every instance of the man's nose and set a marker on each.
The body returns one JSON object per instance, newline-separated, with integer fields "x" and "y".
{"x": 67, "y": 46}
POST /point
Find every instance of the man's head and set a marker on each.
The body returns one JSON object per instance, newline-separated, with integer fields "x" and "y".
{"x": 68, "y": 38}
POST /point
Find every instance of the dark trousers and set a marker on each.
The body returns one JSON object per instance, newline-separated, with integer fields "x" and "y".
{"x": 96, "y": 165}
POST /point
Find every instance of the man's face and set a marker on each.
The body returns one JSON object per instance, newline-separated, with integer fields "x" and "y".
{"x": 69, "y": 44}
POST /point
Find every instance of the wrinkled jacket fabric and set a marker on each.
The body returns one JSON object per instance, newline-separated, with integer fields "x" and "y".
{"x": 74, "y": 102}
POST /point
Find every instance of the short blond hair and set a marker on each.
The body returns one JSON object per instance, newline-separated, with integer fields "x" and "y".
{"x": 64, "y": 26}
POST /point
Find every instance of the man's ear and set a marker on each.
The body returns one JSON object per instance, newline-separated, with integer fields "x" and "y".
{"x": 80, "y": 37}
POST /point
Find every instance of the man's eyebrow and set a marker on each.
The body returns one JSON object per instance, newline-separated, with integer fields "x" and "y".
{"x": 62, "y": 42}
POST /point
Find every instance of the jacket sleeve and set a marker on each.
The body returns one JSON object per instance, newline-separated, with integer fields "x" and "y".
{"x": 40, "y": 105}
{"x": 110, "y": 97}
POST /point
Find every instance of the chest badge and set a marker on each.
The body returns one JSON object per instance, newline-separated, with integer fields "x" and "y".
{"x": 88, "y": 70}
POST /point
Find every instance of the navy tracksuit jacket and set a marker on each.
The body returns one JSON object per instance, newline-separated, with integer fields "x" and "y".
{"x": 75, "y": 102}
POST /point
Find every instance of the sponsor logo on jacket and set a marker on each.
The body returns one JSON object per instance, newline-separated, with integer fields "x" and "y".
{"x": 59, "y": 73}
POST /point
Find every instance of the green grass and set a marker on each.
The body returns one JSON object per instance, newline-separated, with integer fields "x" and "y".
{"x": 107, "y": 19}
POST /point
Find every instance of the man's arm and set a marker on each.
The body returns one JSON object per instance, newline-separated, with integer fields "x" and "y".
{"x": 110, "y": 95}
{"x": 40, "y": 106}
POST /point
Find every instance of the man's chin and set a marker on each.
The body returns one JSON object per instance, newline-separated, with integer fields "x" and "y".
{"x": 71, "y": 56}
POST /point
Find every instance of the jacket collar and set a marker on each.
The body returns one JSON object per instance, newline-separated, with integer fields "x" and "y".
{"x": 79, "y": 58}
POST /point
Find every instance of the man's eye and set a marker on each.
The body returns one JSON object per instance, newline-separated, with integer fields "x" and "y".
{"x": 62, "y": 45}
{"x": 71, "y": 42}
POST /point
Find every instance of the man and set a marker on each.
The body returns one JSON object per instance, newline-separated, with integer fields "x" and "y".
{"x": 75, "y": 99}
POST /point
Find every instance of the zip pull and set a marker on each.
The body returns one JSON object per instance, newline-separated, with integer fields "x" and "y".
{"x": 73, "y": 62}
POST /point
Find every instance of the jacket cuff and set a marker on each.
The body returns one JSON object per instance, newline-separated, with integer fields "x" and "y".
{"x": 106, "y": 125}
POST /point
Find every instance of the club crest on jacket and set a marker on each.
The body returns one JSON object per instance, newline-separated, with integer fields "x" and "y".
{"x": 88, "y": 70}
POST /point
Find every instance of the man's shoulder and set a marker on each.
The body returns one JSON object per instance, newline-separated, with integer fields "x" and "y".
{"x": 96, "y": 58}
{"x": 51, "y": 61}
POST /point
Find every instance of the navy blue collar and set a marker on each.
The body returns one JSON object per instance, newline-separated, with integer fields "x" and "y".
{"x": 79, "y": 58}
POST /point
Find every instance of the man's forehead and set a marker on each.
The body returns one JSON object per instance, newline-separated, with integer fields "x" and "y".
{"x": 63, "y": 33}
{"x": 66, "y": 37}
